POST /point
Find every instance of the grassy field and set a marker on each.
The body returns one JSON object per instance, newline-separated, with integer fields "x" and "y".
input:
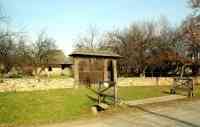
{"x": 141, "y": 92}
{"x": 38, "y": 107}
{"x": 43, "y": 106}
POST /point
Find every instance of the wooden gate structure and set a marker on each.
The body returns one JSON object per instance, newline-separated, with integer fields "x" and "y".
{"x": 96, "y": 67}
{"x": 184, "y": 83}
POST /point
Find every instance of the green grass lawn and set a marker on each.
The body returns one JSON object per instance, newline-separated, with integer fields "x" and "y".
{"x": 138, "y": 92}
{"x": 43, "y": 106}
{"x": 197, "y": 91}
{"x": 38, "y": 107}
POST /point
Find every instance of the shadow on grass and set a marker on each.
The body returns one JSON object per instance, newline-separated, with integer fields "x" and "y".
{"x": 166, "y": 92}
{"x": 183, "y": 93}
{"x": 167, "y": 117}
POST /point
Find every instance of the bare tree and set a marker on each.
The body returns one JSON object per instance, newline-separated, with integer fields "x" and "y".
{"x": 23, "y": 58}
{"x": 194, "y": 4}
{"x": 88, "y": 40}
{"x": 39, "y": 53}
{"x": 142, "y": 44}
{"x": 7, "y": 53}
{"x": 132, "y": 43}
{"x": 17, "y": 53}
{"x": 5, "y": 47}
{"x": 190, "y": 31}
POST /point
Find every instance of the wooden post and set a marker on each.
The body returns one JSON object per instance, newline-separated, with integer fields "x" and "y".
{"x": 105, "y": 71}
{"x": 99, "y": 96}
{"x": 114, "y": 62}
{"x": 76, "y": 72}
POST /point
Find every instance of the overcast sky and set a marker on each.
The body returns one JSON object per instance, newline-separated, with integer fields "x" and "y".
{"x": 64, "y": 20}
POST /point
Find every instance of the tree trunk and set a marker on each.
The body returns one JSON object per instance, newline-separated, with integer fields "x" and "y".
{"x": 144, "y": 70}
{"x": 157, "y": 81}
{"x": 36, "y": 74}
{"x": 1, "y": 78}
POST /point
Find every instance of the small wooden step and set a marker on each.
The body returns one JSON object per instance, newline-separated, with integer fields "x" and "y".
{"x": 103, "y": 106}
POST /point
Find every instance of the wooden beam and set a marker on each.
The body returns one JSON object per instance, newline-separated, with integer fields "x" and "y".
{"x": 76, "y": 72}
{"x": 114, "y": 62}
{"x": 105, "y": 71}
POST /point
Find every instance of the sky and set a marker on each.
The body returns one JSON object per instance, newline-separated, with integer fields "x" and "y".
{"x": 65, "y": 20}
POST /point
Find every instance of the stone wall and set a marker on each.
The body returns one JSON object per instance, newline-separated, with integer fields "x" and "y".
{"x": 146, "y": 81}
{"x": 149, "y": 81}
{"x": 31, "y": 84}
{"x": 57, "y": 72}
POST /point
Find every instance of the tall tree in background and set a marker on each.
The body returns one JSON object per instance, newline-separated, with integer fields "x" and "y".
{"x": 195, "y": 4}
{"x": 141, "y": 42}
{"x": 39, "y": 52}
{"x": 7, "y": 53}
{"x": 7, "y": 46}
{"x": 23, "y": 53}
{"x": 88, "y": 40}
{"x": 15, "y": 52}
{"x": 191, "y": 33}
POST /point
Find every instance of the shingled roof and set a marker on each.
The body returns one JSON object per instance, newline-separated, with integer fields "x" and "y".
{"x": 94, "y": 53}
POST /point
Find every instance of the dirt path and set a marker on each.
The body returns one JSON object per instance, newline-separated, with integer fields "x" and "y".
{"x": 179, "y": 114}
